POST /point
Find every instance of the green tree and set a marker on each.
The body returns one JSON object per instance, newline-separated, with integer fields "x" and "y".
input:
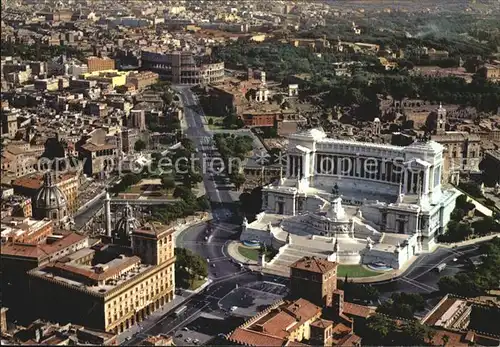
{"x": 445, "y": 338}
{"x": 139, "y": 146}
{"x": 188, "y": 144}
{"x": 203, "y": 203}
{"x": 402, "y": 305}
{"x": 183, "y": 193}
{"x": 168, "y": 183}
{"x": 167, "y": 98}
{"x": 414, "y": 333}
{"x": 238, "y": 179}
{"x": 379, "y": 327}
{"x": 188, "y": 267}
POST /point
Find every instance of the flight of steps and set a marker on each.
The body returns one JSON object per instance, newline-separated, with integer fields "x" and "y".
{"x": 280, "y": 264}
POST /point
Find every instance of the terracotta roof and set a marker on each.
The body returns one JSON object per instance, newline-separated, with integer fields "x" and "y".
{"x": 255, "y": 338}
{"x": 281, "y": 321}
{"x": 349, "y": 340}
{"x": 357, "y": 310}
{"x": 302, "y": 309}
{"x": 313, "y": 264}
{"x": 322, "y": 323}
{"x": 432, "y": 319}
{"x": 40, "y": 251}
{"x": 154, "y": 229}
{"x": 340, "y": 331}
{"x": 28, "y": 182}
{"x": 93, "y": 148}
{"x": 454, "y": 338}
{"x": 279, "y": 324}
{"x": 35, "y": 181}
{"x": 91, "y": 274}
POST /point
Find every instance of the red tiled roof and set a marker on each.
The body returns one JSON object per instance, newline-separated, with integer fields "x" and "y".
{"x": 277, "y": 325}
{"x": 349, "y": 340}
{"x": 40, "y": 251}
{"x": 255, "y": 338}
{"x": 357, "y": 310}
{"x": 303, "y": 309}
{"x": 454, "y": 338}
{"x": 322, "y": 323}
{"x": 68, "y": 268}
{"x": 313, "y": 264}
{"x": 35, "y": 181}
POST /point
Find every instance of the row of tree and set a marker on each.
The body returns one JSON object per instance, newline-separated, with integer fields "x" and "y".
{"x": 480, "y": 279}
{"x": 381, "y": 330}
{"x": 189, "y": 267}
{"x": 233, "y": 150}
{"x": 460, "y": 229}
{"x": 40, "y": 52}
{"x": 363, "y": 91}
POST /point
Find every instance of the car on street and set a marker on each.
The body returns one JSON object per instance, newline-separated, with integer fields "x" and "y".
{"x": 213, "y": 265}
{"x": 188, "y": 339}
{"x": 196, "y": 341}
{"x": 234, "y": 308}
{"x": 185, "y": 329}
{"x": 128, "y": 338}
{"x": 206, "y": 238}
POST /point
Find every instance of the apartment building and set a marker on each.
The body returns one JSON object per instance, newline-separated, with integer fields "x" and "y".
{"x": 109, "y": 287}
{"x": 100, "y": 64}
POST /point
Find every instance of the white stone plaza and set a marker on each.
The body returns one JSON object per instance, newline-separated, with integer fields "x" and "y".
{"x": 353, "y": 202}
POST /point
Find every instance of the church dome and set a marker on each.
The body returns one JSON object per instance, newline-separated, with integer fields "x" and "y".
{"x": 49, "y": 196}
{"x": 126, "y": 224}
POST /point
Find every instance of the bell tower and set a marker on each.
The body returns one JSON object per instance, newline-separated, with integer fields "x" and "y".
{"x": 441, "y": 120}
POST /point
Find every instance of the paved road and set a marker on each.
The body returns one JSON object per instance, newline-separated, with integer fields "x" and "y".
{"x": 421, "y": 276}
{"x": 211, "y": 244}
{"x": 218, "y": 195}
{"x": 84, "y": 216}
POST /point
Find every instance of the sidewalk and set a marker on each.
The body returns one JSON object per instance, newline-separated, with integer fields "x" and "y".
{"x": 151, "y": 319}
{"x": 181, "y": 227}
{"x": 232, "y": 251}
{"x": 469, "y": 242}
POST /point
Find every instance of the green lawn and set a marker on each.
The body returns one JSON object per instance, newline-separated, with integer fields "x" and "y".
{"x": 217, "y": 122}
{"x": 355, "y": 271}
{"x": 250, "y": 253}
{"x": 196, "y": 283}
{"x": 253, "y": 253}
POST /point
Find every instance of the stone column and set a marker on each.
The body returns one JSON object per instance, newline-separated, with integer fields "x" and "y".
{"x": 289, "y": 166}
{"x": 405, "y": 181}
{"x": 425, "y": 188}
